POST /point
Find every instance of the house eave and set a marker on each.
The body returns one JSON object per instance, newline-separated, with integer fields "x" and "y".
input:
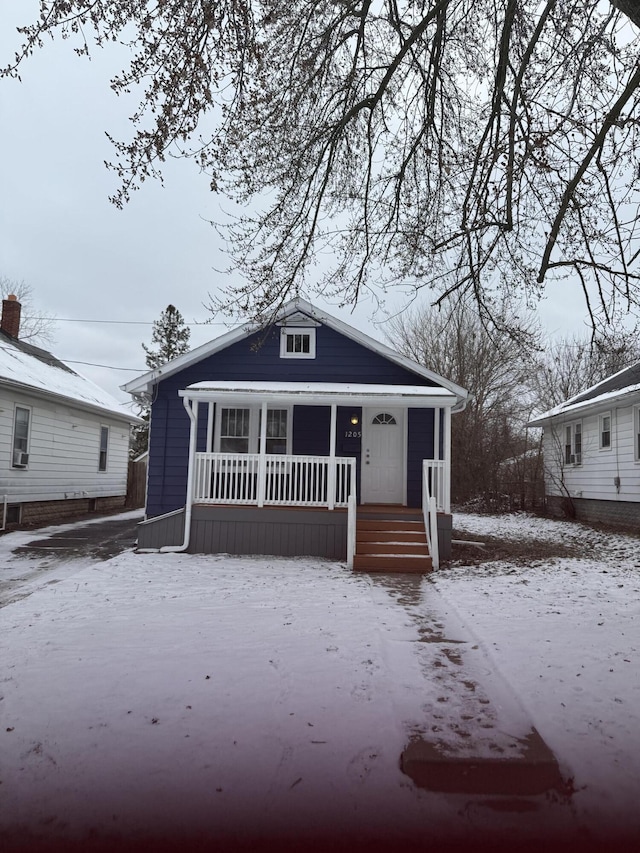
{"x": 318, "y": 394}
{"x": 72, "y": 402}
{"x": 596, "y": 404}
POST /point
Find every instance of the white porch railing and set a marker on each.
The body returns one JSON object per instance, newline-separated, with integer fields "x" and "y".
{"x": 437, "y": 475}
{"x": 273, "y": 480}
{"x": 430, "y": 513}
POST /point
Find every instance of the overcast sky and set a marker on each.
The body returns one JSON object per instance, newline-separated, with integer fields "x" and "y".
{"x": 83, "y": 258}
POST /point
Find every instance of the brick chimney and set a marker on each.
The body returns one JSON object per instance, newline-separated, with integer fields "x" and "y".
{"x": 10, "y": 323}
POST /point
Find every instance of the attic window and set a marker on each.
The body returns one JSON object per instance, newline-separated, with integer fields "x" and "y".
{"x": 297, "y": 343}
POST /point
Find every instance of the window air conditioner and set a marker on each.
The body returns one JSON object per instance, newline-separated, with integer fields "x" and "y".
{"x": 578, "y": 458}
{"x": 20, "y": 459}
{"x": 572, "y": 459}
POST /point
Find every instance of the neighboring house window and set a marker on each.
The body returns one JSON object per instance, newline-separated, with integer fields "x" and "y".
{"x": 605, "y": 431}
{"x": 21, "y": 424}
{"x": 298, "y": 343}
{"x": 573, "y": 443}
{"x": 636, "y": 430}
{"x": 234, "y": 430}
{"x": 104, "y": 446}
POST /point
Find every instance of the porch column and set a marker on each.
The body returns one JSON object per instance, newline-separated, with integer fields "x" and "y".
{"x": 331, "y": 473}
{"x": 193, "y": 476}
{"x": 210, "y": 412}
{"x": 447, "y": 459}
{"x": 262, "y": 461}
{"x": 436, "y": 433}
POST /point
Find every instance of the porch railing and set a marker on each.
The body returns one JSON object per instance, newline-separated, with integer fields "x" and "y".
{"x": 273, "y": 479}
{"x": 430, "y": 513}
{"x": 435, "y": 470}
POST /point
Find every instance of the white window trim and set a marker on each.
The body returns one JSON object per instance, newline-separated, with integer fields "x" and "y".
{"x": 572, "y": 425}
{"x": 106, "y": 457}
{"x": 636, "y": 434}
{"x": 285, "y": 331}
{"x": 605, "y": 447}
{"x": 254, "y": 423}
{"x": 13, "y": 437}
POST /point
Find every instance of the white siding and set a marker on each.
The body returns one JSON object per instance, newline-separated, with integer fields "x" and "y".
{"x": 595, "y": 477}
{"x": 64, "y": 445}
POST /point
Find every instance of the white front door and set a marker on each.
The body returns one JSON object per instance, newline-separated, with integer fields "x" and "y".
{"x": 383, "y": 455}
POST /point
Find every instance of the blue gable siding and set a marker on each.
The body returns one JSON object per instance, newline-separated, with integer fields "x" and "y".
{"x": 257, "y": 358}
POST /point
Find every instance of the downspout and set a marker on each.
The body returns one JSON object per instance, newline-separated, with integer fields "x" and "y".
{"x": 447, "y": 456}
{"x": 331, "y": 471}
{"x": 174, "y": 549}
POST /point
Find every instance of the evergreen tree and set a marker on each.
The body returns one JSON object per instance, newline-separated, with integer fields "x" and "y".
{"x": 171, "y": 337}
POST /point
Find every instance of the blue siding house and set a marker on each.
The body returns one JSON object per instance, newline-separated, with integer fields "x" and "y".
{"x": 289, "y": 439}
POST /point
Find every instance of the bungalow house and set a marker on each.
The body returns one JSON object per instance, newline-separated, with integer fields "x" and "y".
{"x": 591, "y": 447}
{"x": 301, "y": 437}
{"x": 64, "y": 442}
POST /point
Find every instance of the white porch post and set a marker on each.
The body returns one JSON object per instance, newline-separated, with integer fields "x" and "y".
{"x": 331, "y": 473}
{"x": 447, "y": 459}
{"x": 210, "y": 411}
{"x": 262, "y": 463}
{"x": 436, "y": 433}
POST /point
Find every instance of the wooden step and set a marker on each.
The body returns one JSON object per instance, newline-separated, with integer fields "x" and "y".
{"x": 391, "y": 535}
{"x": 392, "y": 563}
{"x": 416, "y": 549}
{"x": 389, "y": 524}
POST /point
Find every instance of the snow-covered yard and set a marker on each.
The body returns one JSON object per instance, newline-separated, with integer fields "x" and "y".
{"x": 192, "y": 696}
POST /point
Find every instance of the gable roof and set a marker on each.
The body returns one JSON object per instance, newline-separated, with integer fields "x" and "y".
{"x": 625, "y": 381}
{"x": 143, "y": 384}
{"x": 35, "y": 370}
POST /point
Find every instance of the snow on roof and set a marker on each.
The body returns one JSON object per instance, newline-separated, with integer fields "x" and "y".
{"x": 319, "y": 392}
{"x": 625, "y": 381}
{"x": 31, "y": 368}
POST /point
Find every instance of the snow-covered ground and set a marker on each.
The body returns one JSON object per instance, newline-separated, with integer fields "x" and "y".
{"x": 194, "y": 695}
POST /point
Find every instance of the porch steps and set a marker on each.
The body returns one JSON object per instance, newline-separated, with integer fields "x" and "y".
{"x": 391, "y": 540}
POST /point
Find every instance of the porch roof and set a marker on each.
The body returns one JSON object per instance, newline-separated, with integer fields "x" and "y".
{"x": 321, "y": 393}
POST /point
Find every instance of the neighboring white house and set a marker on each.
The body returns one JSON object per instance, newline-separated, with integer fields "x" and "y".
{"x": 64, "y": 442}
{"x": 592, "y": 451}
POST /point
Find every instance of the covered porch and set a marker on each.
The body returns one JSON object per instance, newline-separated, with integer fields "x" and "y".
{"x": 251, "y": 445}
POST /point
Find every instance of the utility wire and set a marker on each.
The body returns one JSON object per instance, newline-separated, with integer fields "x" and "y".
{"x": 124, "y": 322}
{"x": 105, "y": 366}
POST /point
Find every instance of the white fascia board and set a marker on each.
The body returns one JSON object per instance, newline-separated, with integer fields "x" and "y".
{"x": 372, "y": 344}
{"x": 566, "y": 411}
{"x": 321, "y": 394}
{"x": 143, "y": 384}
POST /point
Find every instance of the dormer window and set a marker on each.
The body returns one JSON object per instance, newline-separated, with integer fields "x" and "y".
{"x": 297, "y": 343}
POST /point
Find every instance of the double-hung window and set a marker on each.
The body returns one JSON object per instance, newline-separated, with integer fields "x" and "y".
{"x": 21, "y": 427}
{"x": 277, "y": 420}
{"x": 238, "y": 430}
{"x": 636, "y": 433}
{"x": 104, "y": 448}
{"x": 605, "y": 431}
{"x": 234, "y": 430}
{"x": 573, "y": 443}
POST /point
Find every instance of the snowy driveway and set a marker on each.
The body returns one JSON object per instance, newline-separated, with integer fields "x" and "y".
{"x": 32, "y": 559}
{"x": 191, "y": 697}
